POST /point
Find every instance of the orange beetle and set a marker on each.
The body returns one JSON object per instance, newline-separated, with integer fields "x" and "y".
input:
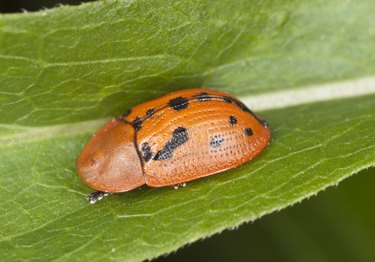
{"x": 173, "y": 139}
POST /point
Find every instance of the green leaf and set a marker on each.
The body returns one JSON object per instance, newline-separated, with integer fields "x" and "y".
{"x": 337, "y": 225}
{"x": 64, "y": 70}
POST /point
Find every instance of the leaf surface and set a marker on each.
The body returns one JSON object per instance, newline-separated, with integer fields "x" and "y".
{"x": 336, "y": 225}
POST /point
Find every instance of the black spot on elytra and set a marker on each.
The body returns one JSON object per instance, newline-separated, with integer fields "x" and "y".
{"x": 178, "y": 103}
{"x": 146, "y": 149}
{"x": 248, "y": 131}
{"x": 127, "y": 113}
{"x": 179, "y": 137}
{"x": 239, "y": 104}
{"x": 227, "y": 99}
{"x": 203, "y": 96}
{"x": 242, "y": 107}
{"x": 150, "y": 112}
{"x": 232, "y": 120}
{"x": 216, "y": 141}
{"x": 137, "y": 123}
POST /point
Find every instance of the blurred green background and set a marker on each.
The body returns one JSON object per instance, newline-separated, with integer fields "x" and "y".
{"x": 336, "y": 225}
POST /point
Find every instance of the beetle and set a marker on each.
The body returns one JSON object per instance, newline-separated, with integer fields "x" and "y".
{"x": 171, "y": 140}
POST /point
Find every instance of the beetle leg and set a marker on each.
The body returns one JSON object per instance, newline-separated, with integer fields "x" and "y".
{"x": 176, "y": 186}
{"x": 96, "y": 196}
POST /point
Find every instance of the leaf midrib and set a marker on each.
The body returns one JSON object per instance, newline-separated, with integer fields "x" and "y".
{"x": 34, "y": 134}
{"x": 267, "y": 101}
